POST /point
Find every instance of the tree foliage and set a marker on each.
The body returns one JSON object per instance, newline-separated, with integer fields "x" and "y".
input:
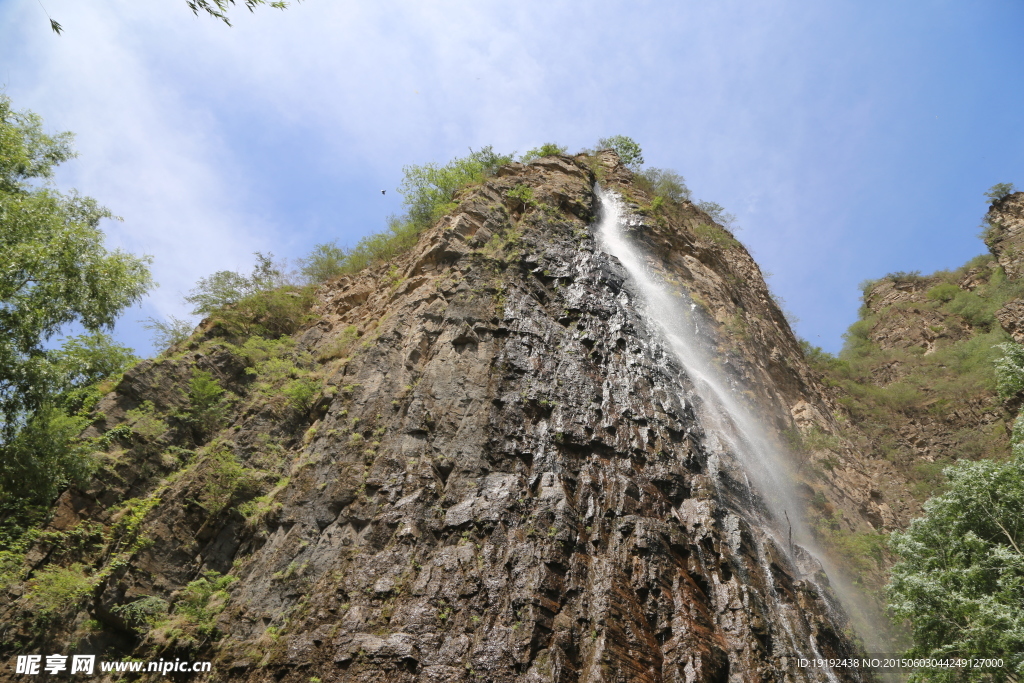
{"x": 548, "y": 149}
{"x": 717, "y": 212}
{"x": 628, "y": 150}
{"x": 428, "y": 193}
{"x": 429, "y": 190}
{"x": 665, "y": 183}
{"x": 227, "y": 287}
{"x": 54, "y": 271}
{"x": 960, "y": 580}
{"x": 219, "y": 8}
{"x": 1010, "y": 370}
{"x": 169, "y": 332}
{"x": 999, "y": 190}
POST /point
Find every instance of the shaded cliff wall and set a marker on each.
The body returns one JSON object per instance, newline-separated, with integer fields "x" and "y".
{"x": 474, "y": 463}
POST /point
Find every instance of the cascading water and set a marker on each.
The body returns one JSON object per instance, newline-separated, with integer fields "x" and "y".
{"x": 735, "y": 438}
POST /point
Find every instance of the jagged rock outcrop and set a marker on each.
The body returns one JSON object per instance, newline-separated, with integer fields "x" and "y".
{"x": 1005, "y": 236}
{"x": 495, "y": 473}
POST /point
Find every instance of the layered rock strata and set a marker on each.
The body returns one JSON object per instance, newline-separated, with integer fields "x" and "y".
{"x": 500, "y": 476}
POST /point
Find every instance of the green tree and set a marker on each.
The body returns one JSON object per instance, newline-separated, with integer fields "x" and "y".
{"x": 960, "y": 579}
{"x": 1010, "y": 370}
{"x": 628, "y": 150}
{"x": 264, "y": 303}
{"x": 169, "y": 332}
{"x": 324, "y": 262}
{"x": 1000, "y": 190}
{"x": 226, "y": 287}
{"x": 429, "y": 190}
{"x": 717, "y": 212}
{"x": 666, "y": 183}
{"x": 54, "y": 272}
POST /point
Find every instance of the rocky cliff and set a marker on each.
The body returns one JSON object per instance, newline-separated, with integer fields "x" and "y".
{"x": 919, "y": 383}
{"x": 475, "y": 462}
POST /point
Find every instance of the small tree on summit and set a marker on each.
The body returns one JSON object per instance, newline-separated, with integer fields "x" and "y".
{"x": 628, "y": 150}
{"x": 1000, "y": 190}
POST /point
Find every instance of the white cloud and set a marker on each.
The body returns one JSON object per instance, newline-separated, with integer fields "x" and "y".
{"x": 215, "y": 142}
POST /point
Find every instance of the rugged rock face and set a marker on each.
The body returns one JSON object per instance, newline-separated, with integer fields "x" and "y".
{"x": 1006, "y": 216}
{"x": 949, "y": 409}
{"x": 495, "y": 474}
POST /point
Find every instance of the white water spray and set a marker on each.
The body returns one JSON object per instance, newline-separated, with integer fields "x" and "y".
{"x": 732, "y": 429}
{"x": 734, "y": 434}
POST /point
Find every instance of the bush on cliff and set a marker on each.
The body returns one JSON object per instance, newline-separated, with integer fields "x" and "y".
{"x": 999, "y": 191}
{"x": 628, "y": 150}
{"x": 429, "y": 190}
{"x": 428, "y": 193}
{"x": 548, "y": 149}
{"x": 262, "y": 303}
{"x": 960, "y": 579}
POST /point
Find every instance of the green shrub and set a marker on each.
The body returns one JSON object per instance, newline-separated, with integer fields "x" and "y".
{"x": 302, "y": 394}
{"x": 169, "y": 333}
{"x": 899, "y": 396}
{"x": 131, "y": 514}
{"x": 999, "y": 191}
{"x": 856, "y": 339}
{"x": 263, "y": 302}
{"x": 340, "y": 345}
{"x": 257, "y": 350}
{"x": 428, "y": 193}
{"x": 203, "y": 599}
{"x": 816, "y": 439}
{"x": 522, "y": 194}
{"x": 258, "y": 508}
{"x": 44, "y": 457}
{"x": 960, "y": 578}
{"x": 12, "y": 569}
{"x": 60, "y": 589}
{"x": 90, "y": 365}
{"x": 716, "y": 235}
{"x": 905, "y": 277}
{"x": 943, "y": 292}
{"x": 663, "y": 183}
{"x": 144, "y": 613}
{"x": 973, "y": 309}
{"x": 716, "y": 212}
{"x": 226, "y": 479}
{"x": 145, "y": 423}
{"x": 548, "y": 149}
{"x": 207, "y": 406}
{"x": 326, "y": 261}
{"x": 227, "y": 287}
{"x": 429, "y": 190}
{"x": 271, "y": 313}
{"x": 819, "y": 359}
{"x": 978, "y": 262}
{"x": 197, "y": 605}
{"x": 1009, "y": 368}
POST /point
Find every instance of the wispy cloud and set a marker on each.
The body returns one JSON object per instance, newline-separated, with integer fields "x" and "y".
{"x": 277, "y": 133}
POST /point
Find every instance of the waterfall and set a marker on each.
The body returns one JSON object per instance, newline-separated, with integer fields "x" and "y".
{"x": 734, "y": 434}
{"x": 733, "y": 430}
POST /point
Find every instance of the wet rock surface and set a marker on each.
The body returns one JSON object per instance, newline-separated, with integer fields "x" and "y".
{"x": 503, "y": 477}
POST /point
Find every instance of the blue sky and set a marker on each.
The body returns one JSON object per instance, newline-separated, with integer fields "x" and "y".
{"x": 850, "y": 138}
